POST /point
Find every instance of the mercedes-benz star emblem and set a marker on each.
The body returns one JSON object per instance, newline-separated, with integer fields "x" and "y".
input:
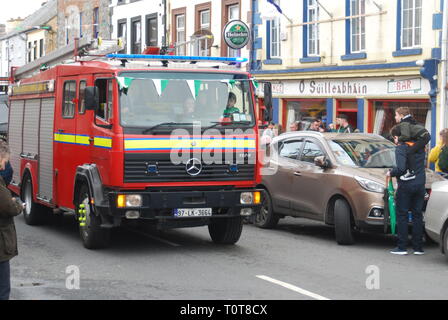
{"x": 193, "y": 167}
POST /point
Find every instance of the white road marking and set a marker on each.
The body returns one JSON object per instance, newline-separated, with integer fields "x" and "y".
{"x": 150, "y": 236}
{"x": 292, "y": 287}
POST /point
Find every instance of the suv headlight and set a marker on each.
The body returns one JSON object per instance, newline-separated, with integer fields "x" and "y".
{"x": 370, "y": 185}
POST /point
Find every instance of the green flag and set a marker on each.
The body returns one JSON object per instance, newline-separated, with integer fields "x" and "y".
{"x": 124, "y": 83}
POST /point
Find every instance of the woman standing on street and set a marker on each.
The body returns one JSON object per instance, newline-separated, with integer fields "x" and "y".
{"x": 9, "y": 208}
{"x": 435, "y": 154}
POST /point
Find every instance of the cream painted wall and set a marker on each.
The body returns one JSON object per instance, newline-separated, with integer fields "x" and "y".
{"x": 380, "y": 34}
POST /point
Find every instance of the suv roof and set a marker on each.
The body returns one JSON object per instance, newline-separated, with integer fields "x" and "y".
{"x": 332, "y": 135}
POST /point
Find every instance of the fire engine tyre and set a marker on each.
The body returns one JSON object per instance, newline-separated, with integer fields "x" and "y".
{"x": 342, "y": 223}
{"x": 35, "y": 214}
{"x": 266, "y": 218}
{"x": 92, "y": 235}
{"x": 226, "y": 231}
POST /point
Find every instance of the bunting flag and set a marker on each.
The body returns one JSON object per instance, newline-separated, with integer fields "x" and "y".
{"x": 124, "y": 83}
{"x": 195, "y": 87}
{"x": 160, "y": 85}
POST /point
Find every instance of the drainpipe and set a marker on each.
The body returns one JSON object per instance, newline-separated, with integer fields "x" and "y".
{"x": 443, "y": 97}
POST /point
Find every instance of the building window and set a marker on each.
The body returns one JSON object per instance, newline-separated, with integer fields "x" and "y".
{"x": 136, "y": 35}
{"x": 35, "y": 50}
{"x": 274, "y": 33}
{"x": 96, "y": 19}
{"x": 41, "y": 48}
{"x": 384, "y": 114}
{"x": 180, "y": 34}
{"x": 68, "y": 107}
{"x": 122, "y": 32}
{"x": 204, "y": 19}
{"x": 313, "y": 29}
{"x": 80, "y": 24}
{"x": 358, "y": 26}
{"x": 233, "y": 12}
{"x": 411, "y": 23}
{"x": 29, "y": 51}
{"x": 303, "y": 111}
{"x": 151, "y": 31}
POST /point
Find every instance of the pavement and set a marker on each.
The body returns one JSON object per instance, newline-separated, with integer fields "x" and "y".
{"x": 299, "y": 260}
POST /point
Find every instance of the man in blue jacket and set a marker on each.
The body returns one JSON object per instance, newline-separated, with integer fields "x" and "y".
{"x": 6, "y": 174}
{"x": 410, "y": 196}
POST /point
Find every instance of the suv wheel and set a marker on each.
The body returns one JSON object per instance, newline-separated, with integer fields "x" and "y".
{"x": 445, "y": 244}
{"x": 342, "y": 223}
{"x": 266, "y": 219}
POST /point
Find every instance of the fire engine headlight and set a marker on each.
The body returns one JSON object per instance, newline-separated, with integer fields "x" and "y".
{"x": 250, "y": 198}
{"x": 129, "y": 201}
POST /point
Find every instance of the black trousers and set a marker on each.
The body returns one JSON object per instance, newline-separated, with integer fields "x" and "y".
{"x": 5, "y": 280}
{"x": 410, "y": 198}
{"x": 419, "y": 145}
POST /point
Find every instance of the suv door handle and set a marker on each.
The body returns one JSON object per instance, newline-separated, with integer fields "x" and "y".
{"x": 298, "y": 174}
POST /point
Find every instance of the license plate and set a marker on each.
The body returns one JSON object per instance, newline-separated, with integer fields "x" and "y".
{"x": 200, "y": 212}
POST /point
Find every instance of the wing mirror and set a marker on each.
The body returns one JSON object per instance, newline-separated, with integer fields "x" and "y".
{"x": 92, "y": 98}
{"x": 322, "y": 162}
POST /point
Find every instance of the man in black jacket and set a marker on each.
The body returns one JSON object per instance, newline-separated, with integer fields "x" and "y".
{"x": 9, "y": 208}
{"x": 410, "y": 197}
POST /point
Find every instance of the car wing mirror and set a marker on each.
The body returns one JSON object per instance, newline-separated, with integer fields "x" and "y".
{"x": 322, "y": 162}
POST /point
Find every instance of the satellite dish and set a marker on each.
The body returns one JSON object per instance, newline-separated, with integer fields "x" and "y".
{"x": 205, "y": 34}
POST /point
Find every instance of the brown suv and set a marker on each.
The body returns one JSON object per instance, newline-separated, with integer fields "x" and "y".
{"x": 331, "y": 177}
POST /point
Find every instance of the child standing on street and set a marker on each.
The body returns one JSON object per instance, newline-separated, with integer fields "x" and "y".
{"x": 414, "y": 135}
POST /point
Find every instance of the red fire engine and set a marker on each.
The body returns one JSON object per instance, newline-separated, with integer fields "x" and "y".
{"x": 166, "y": 139}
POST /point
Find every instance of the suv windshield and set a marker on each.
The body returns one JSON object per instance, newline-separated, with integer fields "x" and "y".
{"x": 157, "y": 101}
{"x": 364, "y": 153}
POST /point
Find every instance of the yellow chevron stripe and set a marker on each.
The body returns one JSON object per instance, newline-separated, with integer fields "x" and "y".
{"x": 103, "y": 142}
{"x": 130, "y": 144}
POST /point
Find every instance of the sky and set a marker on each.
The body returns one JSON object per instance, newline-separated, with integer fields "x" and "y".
{"x": 18, "y": 8}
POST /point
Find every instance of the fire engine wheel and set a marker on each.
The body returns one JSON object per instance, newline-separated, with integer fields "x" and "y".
{"x": 92, "y": 235}
{"x": 34, "y": 213}
{"x": 226, "y": 230}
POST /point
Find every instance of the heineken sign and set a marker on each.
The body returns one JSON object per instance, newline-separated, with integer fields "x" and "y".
{"x": 236, "y": 34}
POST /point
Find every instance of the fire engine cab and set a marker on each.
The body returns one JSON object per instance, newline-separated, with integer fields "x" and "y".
{"x": 166, "y": 139}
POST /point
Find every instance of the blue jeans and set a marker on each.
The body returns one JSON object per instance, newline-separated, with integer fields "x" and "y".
{"x": 5, "y": 280}
{"x": 410, "y": 198}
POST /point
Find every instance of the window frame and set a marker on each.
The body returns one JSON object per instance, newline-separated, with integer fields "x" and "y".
{"x": 149, "y": 18}
{"x": 175, "y": 13}
{"x": 280, "y": 145}
{"x": 136, "y": 46}
{"x": 65, "y": 101}
{"x": 315, "y": 26}
{"x": 121, "y": 23}
{"x": 317, "y": 143}
{"x": 108, "y": 102}
{"x": 412, "y": 10}
{"x": 96, "y": 22}
{"x": 81, "y": 97}
{"x": 360, "y": 22}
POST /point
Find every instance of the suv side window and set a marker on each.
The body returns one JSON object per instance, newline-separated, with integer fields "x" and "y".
{"x": 290, "y": 149}
{"x": 311, "y": 150}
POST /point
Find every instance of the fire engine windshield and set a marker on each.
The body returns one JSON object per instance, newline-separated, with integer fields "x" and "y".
{"x": 161, "y": 101}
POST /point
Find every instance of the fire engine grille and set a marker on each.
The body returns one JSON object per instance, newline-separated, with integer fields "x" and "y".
{"x": 140, "y": 168}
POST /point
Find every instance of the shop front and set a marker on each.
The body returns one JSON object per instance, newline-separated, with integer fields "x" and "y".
{"x": 369, "y": 103}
